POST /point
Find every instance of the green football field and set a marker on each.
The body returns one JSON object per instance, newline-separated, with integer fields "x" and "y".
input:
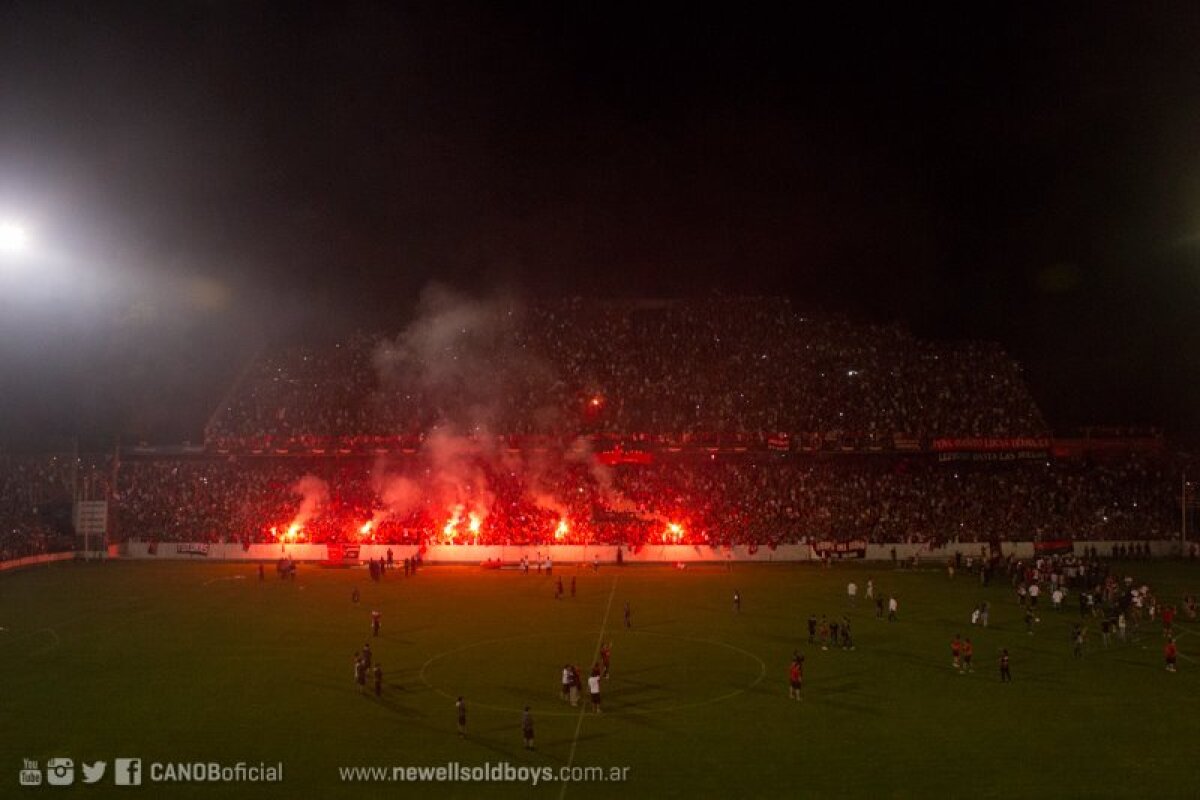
{"x": 196, "y": 662}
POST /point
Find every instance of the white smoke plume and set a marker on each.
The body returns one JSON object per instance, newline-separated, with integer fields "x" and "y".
{"x": 314, "y": 494}
{"x": 463, "y": 357}
{"x": 399, "y": 494}
{"x": 468, "y": 359}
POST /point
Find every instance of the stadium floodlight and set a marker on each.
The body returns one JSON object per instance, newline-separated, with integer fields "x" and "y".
{"x": 14, "y": 238}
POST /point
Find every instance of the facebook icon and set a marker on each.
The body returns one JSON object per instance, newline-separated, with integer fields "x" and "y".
{"x": 128, "y": 772}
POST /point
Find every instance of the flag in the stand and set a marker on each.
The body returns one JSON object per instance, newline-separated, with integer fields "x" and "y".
{"x": 779, "y": 441}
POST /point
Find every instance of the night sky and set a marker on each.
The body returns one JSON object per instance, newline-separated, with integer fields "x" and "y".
{"x": 213, "y": 174}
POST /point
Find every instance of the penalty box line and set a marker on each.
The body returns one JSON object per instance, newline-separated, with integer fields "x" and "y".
{"x": 582, "y": 703}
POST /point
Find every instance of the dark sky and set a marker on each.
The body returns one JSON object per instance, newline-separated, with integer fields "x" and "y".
{"x": 216, "y": 169}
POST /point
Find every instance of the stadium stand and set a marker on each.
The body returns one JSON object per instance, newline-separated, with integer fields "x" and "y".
{"x": 743, "y": 367}
{"x": 35, "y": 505}
{"x": 730, "y": 500}
{"x": 698, "y": 422}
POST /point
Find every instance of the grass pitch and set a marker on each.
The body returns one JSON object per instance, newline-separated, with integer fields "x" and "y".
{"x": 185, "y": 662}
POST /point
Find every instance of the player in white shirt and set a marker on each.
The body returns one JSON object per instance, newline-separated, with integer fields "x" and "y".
{"x": 594, "y": 690}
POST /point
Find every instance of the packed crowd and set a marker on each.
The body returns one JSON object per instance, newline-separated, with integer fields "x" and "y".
{"x": 747, "y": 500}
{"x": 624, "y": 372}
{"x": 747, "y": 367}
{"x": 35, "y": 506}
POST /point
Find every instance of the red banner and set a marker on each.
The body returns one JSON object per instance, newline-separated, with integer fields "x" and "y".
{"x": 339, "y": 554}
{"x": 1053, "y": 546}
{"x": 855, "y": 548}
{"x": 619, "y": 455}
{"x": 986, "y": 443}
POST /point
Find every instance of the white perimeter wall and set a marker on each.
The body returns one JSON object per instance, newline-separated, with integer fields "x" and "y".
{"x": 477, "y": 554}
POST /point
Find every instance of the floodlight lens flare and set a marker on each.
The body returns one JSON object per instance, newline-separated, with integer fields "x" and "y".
{"x": 13, "y": 237}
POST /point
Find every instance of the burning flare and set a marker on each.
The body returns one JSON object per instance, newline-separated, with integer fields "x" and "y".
{"x": 450, "y": 531}
{"x": 561, "y": 531}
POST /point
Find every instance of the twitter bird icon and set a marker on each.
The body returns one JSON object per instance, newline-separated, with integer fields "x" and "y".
{"x": 93, "y": 772}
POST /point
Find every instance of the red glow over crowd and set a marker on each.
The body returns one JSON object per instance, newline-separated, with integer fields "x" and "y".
{"x": 709, "y": 422}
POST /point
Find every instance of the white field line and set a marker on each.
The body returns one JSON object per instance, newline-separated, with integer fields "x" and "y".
{"x": 582, "y": 702}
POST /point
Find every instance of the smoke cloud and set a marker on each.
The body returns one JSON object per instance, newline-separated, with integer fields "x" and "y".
{"x": 468, "y": 360}
{"x": 314, "y": 494}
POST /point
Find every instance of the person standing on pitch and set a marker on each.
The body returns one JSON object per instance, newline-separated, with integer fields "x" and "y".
{"x": 628, "y": 615}
{"x": 796, "y": 677}
{"x": 737, "y": 601}
{"x": 576, "y": 685}
{"x": 594, "y": 689}
{"x": 527, "y": 728}
{"x": 360, "y": 675}
{"x": 460, "y": 709}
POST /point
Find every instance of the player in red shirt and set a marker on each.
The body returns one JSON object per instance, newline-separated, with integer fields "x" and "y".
{"x": 968, "y": 652}
{"x": 1168, "y": 619}
{"x": 796, "y": 677}
{"x": 955, "y": 650}
{"x": 1005, "y": 673}
{"x": 606, "y": 657}
{"x": 1170, "y": 653}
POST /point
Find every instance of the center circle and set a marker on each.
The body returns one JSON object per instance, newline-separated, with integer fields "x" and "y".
{"x": 652, "y": 673}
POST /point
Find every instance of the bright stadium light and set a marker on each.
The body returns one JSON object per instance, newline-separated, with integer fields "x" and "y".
{"x": 14, "y": 238}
